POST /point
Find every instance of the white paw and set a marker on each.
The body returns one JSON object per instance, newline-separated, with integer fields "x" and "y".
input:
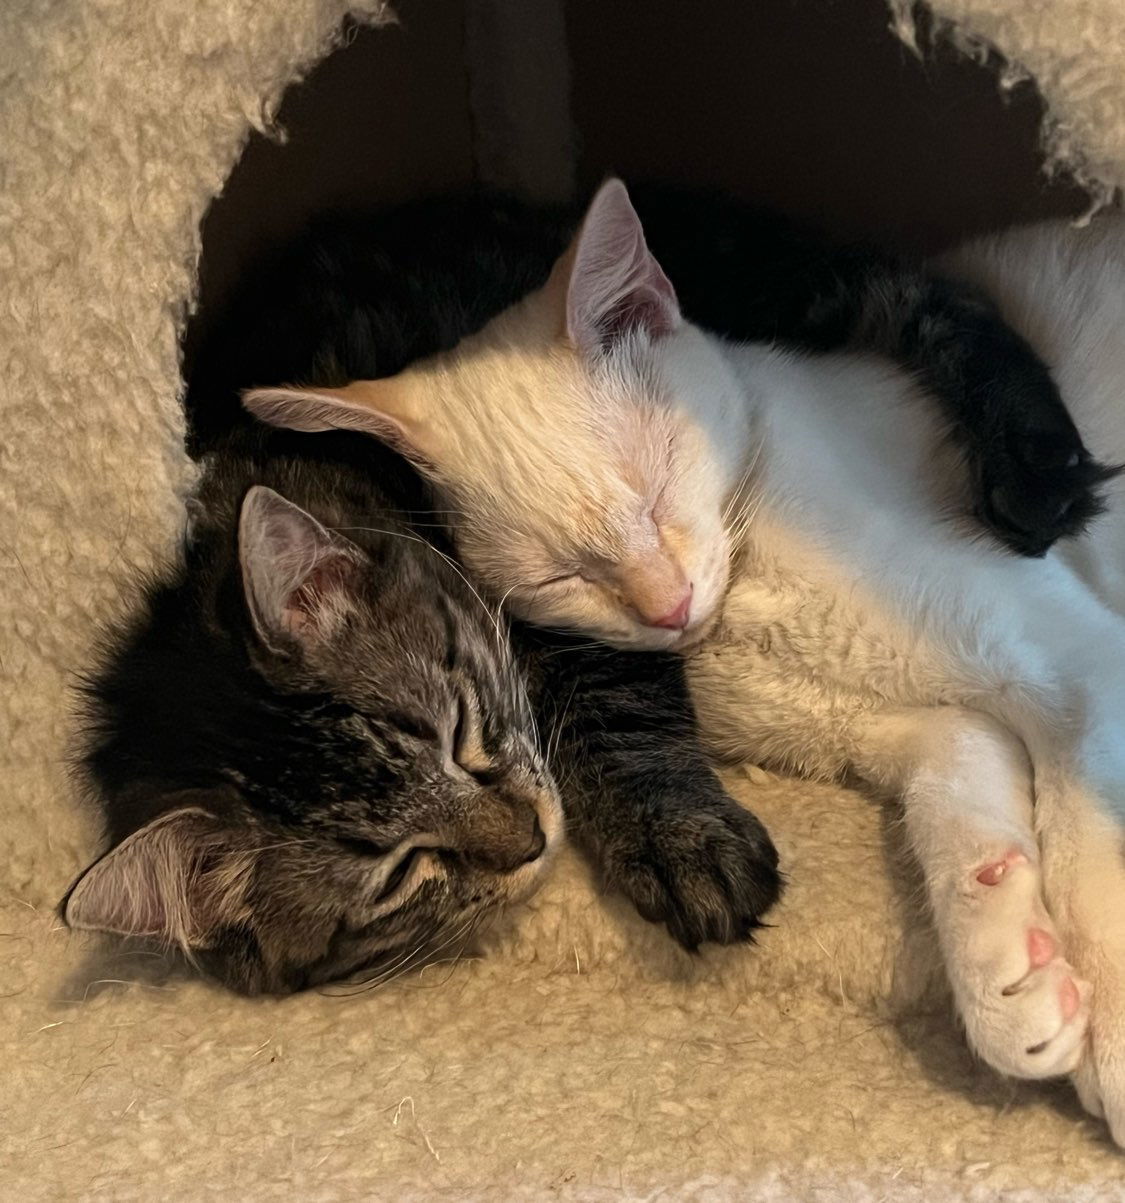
{"x": 1024, "y": 1008}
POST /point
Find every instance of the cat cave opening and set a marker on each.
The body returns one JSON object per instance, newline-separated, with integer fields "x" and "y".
{"x": 811, "y": 107}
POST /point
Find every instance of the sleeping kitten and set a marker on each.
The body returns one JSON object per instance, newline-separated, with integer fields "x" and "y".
{"x": 316, "y": 751}
{"x": 785, "y": 521}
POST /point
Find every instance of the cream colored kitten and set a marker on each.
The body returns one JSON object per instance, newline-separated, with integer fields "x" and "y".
{"x": 784, "y": 521}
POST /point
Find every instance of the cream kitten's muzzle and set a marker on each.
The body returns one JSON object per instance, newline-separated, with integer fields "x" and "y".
{"x": 685, "y": 624}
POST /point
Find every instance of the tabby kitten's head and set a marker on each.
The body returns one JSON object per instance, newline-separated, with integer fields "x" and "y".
{"x": 314, "y": 755}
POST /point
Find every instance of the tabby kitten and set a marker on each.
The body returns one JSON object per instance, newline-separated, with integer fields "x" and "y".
{"x": 315, "y": 751}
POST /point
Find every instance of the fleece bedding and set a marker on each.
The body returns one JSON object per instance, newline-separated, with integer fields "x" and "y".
{"x": 577, "y": 1055}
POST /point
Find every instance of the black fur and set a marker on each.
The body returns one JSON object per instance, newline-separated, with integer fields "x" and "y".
{"x": 751, "y": 275}
{"x": 642, "y": 800}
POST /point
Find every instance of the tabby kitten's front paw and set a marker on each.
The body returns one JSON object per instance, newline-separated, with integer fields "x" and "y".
{"x": 1038, "y": 484}
{"x": 707, "y": 870}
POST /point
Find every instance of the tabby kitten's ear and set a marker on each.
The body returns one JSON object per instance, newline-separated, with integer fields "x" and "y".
{"x": 179, "y": 879}
{"x": 299, "y": 577}
{"x": 611, "y": 281}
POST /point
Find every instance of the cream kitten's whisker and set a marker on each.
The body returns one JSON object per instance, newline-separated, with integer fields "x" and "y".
{"x": 738, "y": 493}
{"x": 499, "y": 612}
{"x": 745, "y": 521}
{"x": 746, "y": 497}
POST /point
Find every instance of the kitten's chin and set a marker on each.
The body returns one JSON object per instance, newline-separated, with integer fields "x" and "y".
{"x": 691, "y": 637}
{"x": 651, "y": 639}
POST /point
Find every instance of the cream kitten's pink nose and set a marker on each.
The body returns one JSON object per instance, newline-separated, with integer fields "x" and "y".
{"x": 674, "y": 620}
{"x": 654, "y": 586}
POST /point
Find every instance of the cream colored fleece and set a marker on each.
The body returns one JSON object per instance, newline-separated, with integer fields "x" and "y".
{"x": 582, "y": 1058}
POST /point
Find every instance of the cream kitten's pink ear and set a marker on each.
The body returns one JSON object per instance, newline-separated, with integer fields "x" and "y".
{"x": 376, "y": 407}
{"x": 615, "y": 284}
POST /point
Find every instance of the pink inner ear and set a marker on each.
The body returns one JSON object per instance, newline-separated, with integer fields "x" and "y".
{"x": 298, "y": 577}
{"x": 373, "y": 407}
{"x": 333, "y": 574}
{"x": 616, "y": 285}
{"x": 317, "y": 410}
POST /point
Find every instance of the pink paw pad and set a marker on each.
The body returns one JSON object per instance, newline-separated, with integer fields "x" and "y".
{"x": 1040, "y": 947}
{"x": 992, "y": 875}
{"x": 1069, "y": 999}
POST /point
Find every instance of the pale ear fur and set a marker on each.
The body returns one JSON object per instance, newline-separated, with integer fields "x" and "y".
{"x": 613, "y": 282}
{"x": 380, "y": 408}
{"x": 177, "y": 879}
{"x": 297, "y": 575}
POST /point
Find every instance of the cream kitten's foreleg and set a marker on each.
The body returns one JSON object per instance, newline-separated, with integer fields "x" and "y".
{"x": 965, "y": 783}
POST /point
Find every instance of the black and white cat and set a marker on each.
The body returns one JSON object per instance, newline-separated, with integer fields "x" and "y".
{"x": 785, "y": 522}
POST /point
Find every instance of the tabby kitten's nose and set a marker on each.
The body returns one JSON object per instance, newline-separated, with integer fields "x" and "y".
{"x": 504, "y": 849}
{"x": 538, "y": 843}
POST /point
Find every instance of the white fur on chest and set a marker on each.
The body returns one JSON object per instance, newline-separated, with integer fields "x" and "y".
{"x": 806, "y": 646}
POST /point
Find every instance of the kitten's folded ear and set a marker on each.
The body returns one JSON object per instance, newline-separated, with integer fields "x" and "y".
{"x": 299, "y": 577}
{"x": 179, "y": 879}
{"x": 613, "y": 283}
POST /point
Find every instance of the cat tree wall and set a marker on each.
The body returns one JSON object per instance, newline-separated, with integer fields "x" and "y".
{"x": 583, "y": 1058}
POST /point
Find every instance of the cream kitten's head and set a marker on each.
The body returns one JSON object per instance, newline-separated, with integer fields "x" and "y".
{"x": 586, "y": 442}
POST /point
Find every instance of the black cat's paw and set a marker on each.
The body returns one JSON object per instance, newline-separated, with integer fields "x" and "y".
{"x": 1038, "y": 484}
{"x": 708, "y": 872}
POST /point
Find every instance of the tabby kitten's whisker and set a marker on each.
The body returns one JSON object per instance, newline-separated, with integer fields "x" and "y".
{"x": 493, "y": 618}
{"x": 408, "y": 960}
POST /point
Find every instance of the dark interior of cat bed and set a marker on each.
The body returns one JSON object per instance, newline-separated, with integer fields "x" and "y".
{"x": 815, "y": 109}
